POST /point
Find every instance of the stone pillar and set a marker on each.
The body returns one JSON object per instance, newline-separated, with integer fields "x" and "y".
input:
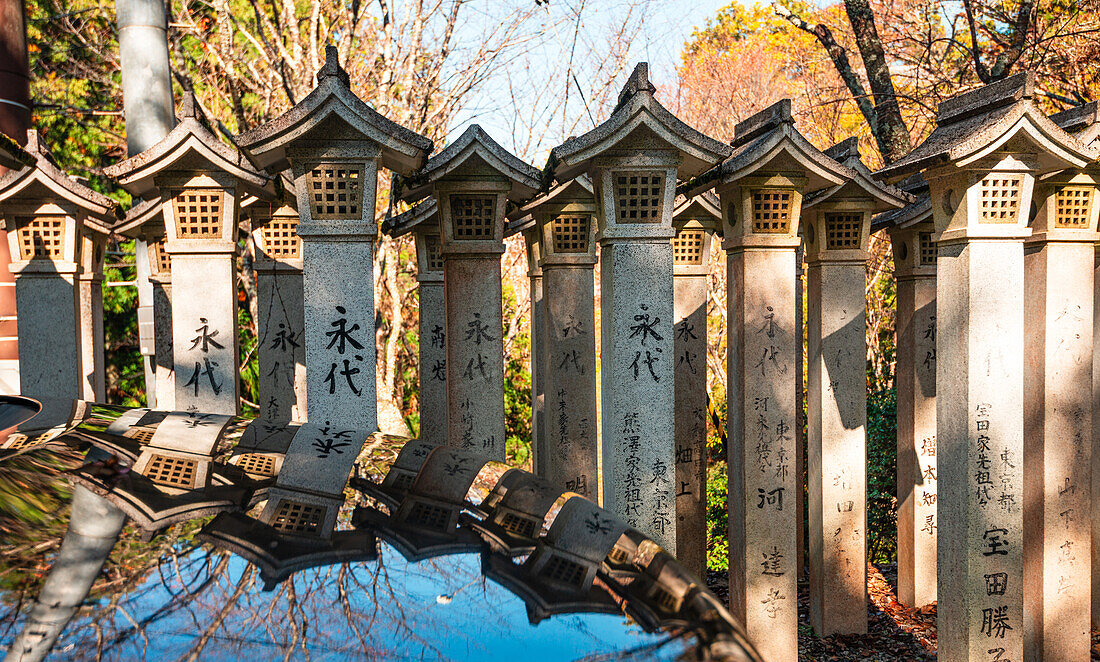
{"x": 538, "y": 352}
{"x": 336, "y": 198}
{"x": 160, "y": 278}
{"x": 836, "y": 415}
{"x": 200, "y": 213}
{"x": 1095, "y": 488}
{"x": 569, "y": 347}
{"x": 472, "y": 217}
{"x": 92, "y": 345}
{"x": 914, "y": 253}
{"x": 146, "y": 326}
{"x": 691, "y": 271}
{"x": 1058, "y": 326}
{"x": 979, "y": 418}
{"x": 635, "y": 198}
{"x": 47, "y": 301}
{"x": 763, "y": 347}
{"x": 280, "y": 353}
{"x": 433, "y": 359}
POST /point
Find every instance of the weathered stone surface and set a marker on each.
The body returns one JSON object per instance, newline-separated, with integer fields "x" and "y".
{"x": 433, "y": 360}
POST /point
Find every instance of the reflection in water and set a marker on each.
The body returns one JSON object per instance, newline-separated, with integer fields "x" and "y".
{"x": 343, "y": 545}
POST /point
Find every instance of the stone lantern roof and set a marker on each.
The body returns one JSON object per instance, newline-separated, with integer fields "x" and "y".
{"x": 523, "y": 218}
{"x": 145, "y": 214}
{"x": 1001, "y": 115}
{"x": 41, "y": 179}
{"x": 639, "y": 122}
{"x": 425, "y": 211}
{"x": 191, "y": 147}
{"x": 332, "y": 113}
{"x": 704, "y": 206}
{"x": 476, "y": 155}
{"x": 861, "y": 183}
{"x": 1081, "y": 121}
{"x": 12, "y": 155}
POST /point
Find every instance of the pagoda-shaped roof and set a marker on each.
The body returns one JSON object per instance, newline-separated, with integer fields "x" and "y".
{"x": 703, "y": 206}
{"x": 332, "y": 112}
{"x": 767, "y": 143}
{"x": 1081, "y": 121}
{"x": 974, "y": 124}
{"x": 12, "y": 155}
{"x": 639, "y": 121}
{"x": 861, "y": 183}
{"x": 523, "y": 218}
{"x": 190, "y": 147}
{"x": 43, "y": 179}
{"x": 425, "y": 211}
{"x": 475, "y": 150}
{"x": 144, "y": 213}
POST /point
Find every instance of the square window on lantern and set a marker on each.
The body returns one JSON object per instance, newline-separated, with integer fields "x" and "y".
{"x": 570, "y": 234}
{"x": 771, "y": 212}
{"x": 927, "y": 249}
{"x": 842, "y": 231}
{"x": 999, "y": 199}
{"x": 1072, "y": 207}
{"x": 171, "y": 471}
{"x": 336, "y": 192}
{"x": 41, "y": 237}
{"x": 472, "y": 216}
{"x": 435, "y": 252}
{"x": 687, "y": 247}
{"x": 639, "y": 197}
{"x": 280, "y": 238}
{"x": 296, "y": 517}
{"x": 199, "y": 214}
{"x": 162, "y": 261}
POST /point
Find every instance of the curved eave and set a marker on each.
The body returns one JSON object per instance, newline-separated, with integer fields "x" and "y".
{"x": 579, "y": 187}
{"x": 1057, "y": 149}
{"x": 861, "y": 185}
{"x": 913, "y": 214}
{"x": 140, "y": 215}
{"x": 403, "y": 150}
{"x": 402, "y": 224}
{"x": 519, "y": 224}
{"x": 189, "y": 136}
{"x": 12, "y": 156}
{"x": 475, "y": 142}
{"x": 47, "y": 175}
{"x": 706, "y": 201}
{"x": 700, "y": 151}
{"x": 759, "y": 155}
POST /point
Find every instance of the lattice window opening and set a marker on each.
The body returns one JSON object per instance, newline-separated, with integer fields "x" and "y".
{"x": 162, "y": 261}
{"x": 842, "y": 231}
{"x": 280, "y": 238}
{"x": 999, "y": 199}
{"x": 1072, "y": 207}
{"x": 171, "y": 471}
{"x": 434, "y": 248}
{"x": 618, "y": 556}
{"x": 199, "y": 214}
{"x": 665, "y": 599}
{"x": 141, "y": 435}
{"x": 928, "y": 250}
{"x": 771, "y": 212}
{"x": 429, "y": 516}
{"x": 41, "y": 237}
{"x": 687, "y": 246}
{"x": 255, "y": 463}
{"x": 336, "y": 192}
{"x": 403, "y": 482}
{"x": 472, "y": 216}
{"x": 17, "y": 441}
{"x": 639, "y": 197}
{"x": 297, "y": 517}
{"x": 521, "y": 526}
{"x": 563, "y": 570}
{"x": 570, "y": 234}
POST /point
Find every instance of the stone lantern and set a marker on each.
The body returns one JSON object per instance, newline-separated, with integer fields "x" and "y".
{"x": 423, "y": 221}
{"x": 696, "y": 221}
{"x": 912, "y": 237}
{"x": 634, "y": 160}
{"x": 334, "y": 142}
{"x": 57, "y": 230}
{"x": 280, "y": 351}
{"x": 989, "y": 148}
{"x": 472, "y": 180}
{"x": 761, "y": 188}
{"x": 199, "y": 179}
{"x": 564, "y": 220}
{"x": 515, "y": 512}
{"x": 144, "y": 223}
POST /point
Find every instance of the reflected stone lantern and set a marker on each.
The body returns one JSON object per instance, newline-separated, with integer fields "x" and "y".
{"x": 696, "y": 221}
{"x": 995, "y": 306}
{"x": 423, "y": 222}
{"x": 333, "y": 144}
{"x": 472, "y": 180}
{"x": 57, "y": 231}
{"x": 634, "y": 160}
{"x": 198, "y": 179}
{"x": 516, "y": 511}
{"x": 564, "y": 220}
